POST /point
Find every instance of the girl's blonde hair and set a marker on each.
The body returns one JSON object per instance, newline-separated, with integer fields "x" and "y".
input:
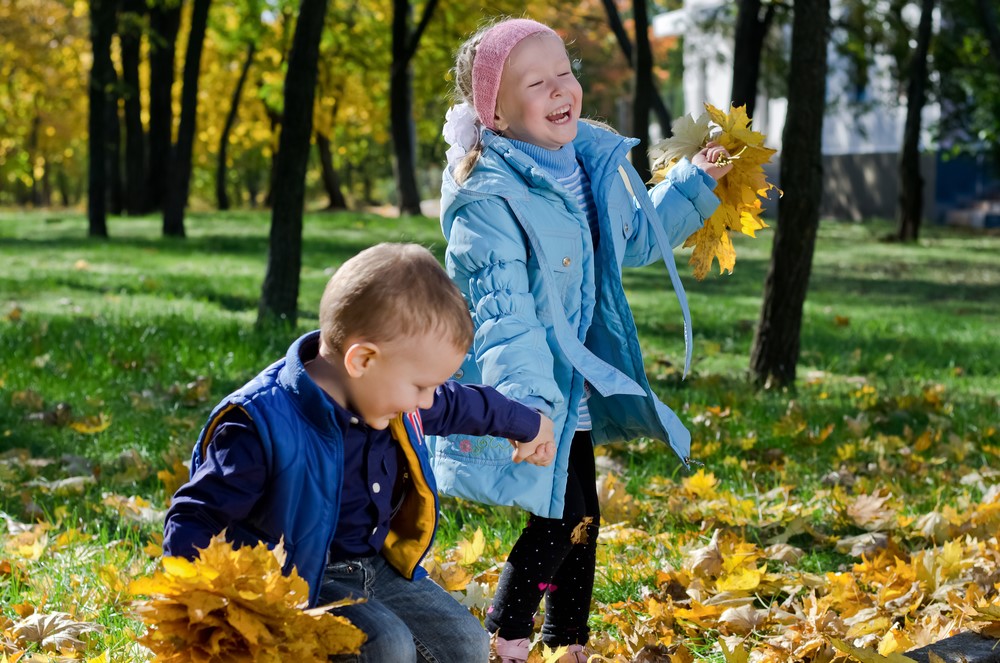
{"x": 464, "y": 60}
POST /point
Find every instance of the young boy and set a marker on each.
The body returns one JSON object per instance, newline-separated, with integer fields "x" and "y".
{"x": 325, "y": 448}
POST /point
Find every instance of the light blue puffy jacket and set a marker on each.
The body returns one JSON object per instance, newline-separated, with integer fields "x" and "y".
{"x": 548, "y": 315}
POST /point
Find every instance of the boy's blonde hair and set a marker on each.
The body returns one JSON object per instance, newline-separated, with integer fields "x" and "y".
{"x": 392, "y": 290}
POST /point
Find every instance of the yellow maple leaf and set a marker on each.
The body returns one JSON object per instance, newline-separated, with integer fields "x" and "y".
{"x": 739, "y": 192}
{"x": 470, "y": 550}
{"x": 174, "y": 477}
{"x": 701, "y": 485}
{"x": 742, "y": 579}
{"x": 736, "y": 655}
{"x": 91, "y": 425}
{"x": 237, "y": 605}
{"x": 869, "y": 656}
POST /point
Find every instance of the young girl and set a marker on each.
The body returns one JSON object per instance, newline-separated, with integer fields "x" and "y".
{"x": 541, "y": 214}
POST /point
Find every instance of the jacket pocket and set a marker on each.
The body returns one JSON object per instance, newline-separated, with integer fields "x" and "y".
{"x": 564, "y": 254}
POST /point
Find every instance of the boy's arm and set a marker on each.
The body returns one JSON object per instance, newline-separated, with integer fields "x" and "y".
{"x": 482, "y": 410}
{"x": 224, "y": 488}
{"x": 479, "y": 410}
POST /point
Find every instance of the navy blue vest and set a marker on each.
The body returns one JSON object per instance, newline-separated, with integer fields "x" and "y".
{"x": 304, "y": 452}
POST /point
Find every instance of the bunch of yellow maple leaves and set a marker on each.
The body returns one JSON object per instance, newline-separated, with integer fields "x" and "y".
{"x": 739, "y": 192}
{"x": 236, "y": 605}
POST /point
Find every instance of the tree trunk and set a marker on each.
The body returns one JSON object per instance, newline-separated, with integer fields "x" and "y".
{"x": 102, "y": 27}
{"x": 751, "y": 30}
{"x": 234, "y": 105}
{"x": 663, "y": 115}
{"x": 276, "y": 128}
{"x": 280, "y": 292}
{"x": 775, "y": 350}
{"x": 404, "y": 142}
{"x": 331, "y": 181}
{"x": 62, "y": 186}
{"x": 643, "y": 90}
{"x": 116, "y": 191}
{"x": 164, "y": 23}
{"x": 180, "y": 161}
{"x": 130, "y": 34}
{"x": 991, "y": 27}
{"x": 911, "y": 183}
{"x": 34, "y": 193}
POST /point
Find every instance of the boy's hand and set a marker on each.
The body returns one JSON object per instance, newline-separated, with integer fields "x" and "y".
{"x": 539, "y": 451}
{"x": 708, "y": 160}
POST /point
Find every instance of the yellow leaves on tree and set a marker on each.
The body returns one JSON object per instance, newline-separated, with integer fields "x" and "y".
{"x": 739, "y": 192}
{"x": 236, "y": 605}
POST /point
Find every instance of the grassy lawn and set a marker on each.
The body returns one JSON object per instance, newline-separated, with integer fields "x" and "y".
{"x": 113, "y": 352}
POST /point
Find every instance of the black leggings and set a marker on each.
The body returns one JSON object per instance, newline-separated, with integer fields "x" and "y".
{"x": 555, "y": 558}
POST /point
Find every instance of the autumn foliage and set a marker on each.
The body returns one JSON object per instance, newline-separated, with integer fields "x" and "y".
{"x": 236, "y": 605}
{"x": 740, "y": 191}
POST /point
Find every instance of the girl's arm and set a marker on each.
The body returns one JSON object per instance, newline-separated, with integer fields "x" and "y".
{"x": 684, "y": 199}
{"x": 487, "y": 258}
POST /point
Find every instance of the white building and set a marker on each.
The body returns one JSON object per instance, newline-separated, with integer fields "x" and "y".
{"x": 862, "y": 129}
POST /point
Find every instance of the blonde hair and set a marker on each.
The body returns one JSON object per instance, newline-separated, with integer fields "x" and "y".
{"x": 464, "y": 59}
{"x": 392, "y": 290}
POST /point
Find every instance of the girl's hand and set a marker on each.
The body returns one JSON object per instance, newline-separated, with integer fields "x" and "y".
{"x": 708, "y": 159}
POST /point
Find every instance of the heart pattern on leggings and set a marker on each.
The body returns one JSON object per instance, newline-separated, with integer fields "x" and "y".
{"x": 543, "y": 586}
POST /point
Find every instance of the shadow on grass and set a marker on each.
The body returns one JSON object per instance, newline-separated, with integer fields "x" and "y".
{"x": 880, "y": 285}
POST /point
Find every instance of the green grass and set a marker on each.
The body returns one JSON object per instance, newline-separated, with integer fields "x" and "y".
{"x": 150, "y": 332}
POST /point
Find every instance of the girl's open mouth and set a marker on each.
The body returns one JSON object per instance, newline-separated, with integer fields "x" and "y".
{"x": 560, "y": 116}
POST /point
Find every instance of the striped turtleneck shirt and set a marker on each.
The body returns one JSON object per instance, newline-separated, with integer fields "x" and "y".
{"x": 562, "y": 165}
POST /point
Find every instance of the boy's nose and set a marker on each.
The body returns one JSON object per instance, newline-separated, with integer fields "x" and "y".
{"x": 425, "y": 400}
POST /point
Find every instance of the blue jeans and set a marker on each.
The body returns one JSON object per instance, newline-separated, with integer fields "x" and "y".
{"x": 405, "y": 621}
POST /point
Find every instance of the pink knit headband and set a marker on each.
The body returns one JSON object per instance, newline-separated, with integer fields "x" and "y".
{"x": 491, "y": 54}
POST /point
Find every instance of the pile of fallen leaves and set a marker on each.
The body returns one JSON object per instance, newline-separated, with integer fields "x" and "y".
{"x": 236, "y": 605}
{"x": 739, "y": 192}
{"x": 806, "y": 538}
{"x": 894, "y": 548}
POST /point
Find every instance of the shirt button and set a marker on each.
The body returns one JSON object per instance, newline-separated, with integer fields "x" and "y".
{"x": 458, "y": 374}
{"x": 354, "y": 421}
{"x": 374, "y": 529}
{"x": 626, "y": 228}
{"x": 376, "y": 488}
{"x": 566, "y": 261}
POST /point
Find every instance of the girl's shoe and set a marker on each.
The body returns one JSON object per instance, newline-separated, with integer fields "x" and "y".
{"x": 574, "y": 654}
{"x": 510, "y": 651}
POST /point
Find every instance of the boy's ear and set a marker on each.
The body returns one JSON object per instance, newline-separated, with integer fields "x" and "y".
{"x": 359, "y": 357}
{"x": 499, "y": 122}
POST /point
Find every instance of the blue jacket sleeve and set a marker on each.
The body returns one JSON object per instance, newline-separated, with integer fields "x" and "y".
{"x": 224, "y": 488}
{"x": 683, "y": 200}
{"x": 487, "y": 258}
